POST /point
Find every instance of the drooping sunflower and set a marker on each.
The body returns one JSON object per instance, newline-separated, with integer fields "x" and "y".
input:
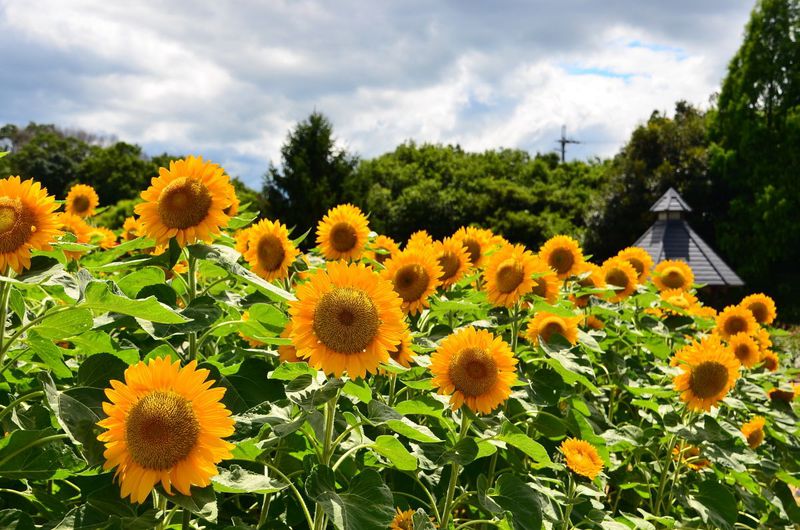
{"x": 589, "y": 276}
{"x": 762, "y": 307}
{"x": 186, "y": 201}
{"x": 780, "y": 394}
{"x": 105, "y": 237}
{"x": 385, "y": 243}
{"x": 592, "y": 322}
{"x": 70, "y": 223}
{"x": 546, "y": 282}
{"x": 403, "y": 520}
{"x": 270, "y": 252}
{"x": 509, "y": 275}
{"x": 420, "y": 238}
{"x": 770, "y": 360}
{"x": 415, "y": 274}
{"x": 478, "y": 241}
{"x": 735, "y": 319}
{"x": 619, "y": 274}
{"x": 673, "y": 274}
{"x": 346, "y": 319}
{"x": 709, "y": 371}
{"x": 27, "y": 222}
{"x": 132, "y": 228}
{"x": 640, "y": 259}
{"x": 563, "y": 254}
{"x": 582, "y": 457}
{"x": 287, "y": 353}
{"x": 402, "y": 353}
{"x": 343, "y": 233}
{"x": 545, "y": 325}
{"x": 81, "y": 200}
{"x": 745, "y": 349}
{"x": 753, "y": 431}
{"x": 165, "y": 424}
{"x": 453, "y": 258}
{"x": 475, "y": 368}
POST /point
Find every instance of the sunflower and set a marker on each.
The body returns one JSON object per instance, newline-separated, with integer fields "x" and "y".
{"x": 509, "y": 275}
{"x": 403, "y": 520}
{"x": 453, "y": 259}
{"x": 735, "y": 319}
{"x": 287, "y": 353}
{"x": 132, "y": 228}
{"x": 186, "y": 201}
{"x": 233, "y": 207}
{"x": 619, "y": 273}
{"x": 81, "y": 200}
{"x": 545, "y": 325}
{"x": 269, "y": 250}
{"x": 563, "y": 254}
{"x": 106, "y": 238}
{"x": 385, "y": 243}
{"x": 709, "y": 371}
{"x": 753, "y": 431}
{"x": 76, "y": 226}
{"x": 745, "y": 349}
{"x": 762, "y": 338}
{"x": 477, "y": 241}
{"x": 762, "y": 307}
{"x": 474, "y": 367}
{"x": 678, "y": 298}
{"x": 342, "y": 233}
{"x": 545, "y": 282}
{"x": 251, "y": 341}
{"x": 592, "y": 322}
{"x": 590, "y": 276}
{"x": 165, "y": 424}
{"x": 691, "y": 457}
{"x": 704, "y": 311}
{"x": 419, "y": 239}
{"x": 582, "y": 457}
{"x": 27, "y": 222}
{"x": 402, "y": 353}
{"x": 346, "y": 318}
{"x": 770, "y": 360}
{"x": 673, "y": 274}
{"x": 640, "y": 259}
{"x": 779, "y": 394}
{"x": 415, "y": 275}
{"x": 241, "y": 239}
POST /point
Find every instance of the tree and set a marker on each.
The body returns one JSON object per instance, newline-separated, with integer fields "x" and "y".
{"x": 120, "y": 171}
{"x": 312, "y": 174}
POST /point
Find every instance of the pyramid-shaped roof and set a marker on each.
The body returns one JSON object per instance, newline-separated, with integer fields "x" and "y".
{"x": 675, "y": 239}
{"x": 671, "y": 201}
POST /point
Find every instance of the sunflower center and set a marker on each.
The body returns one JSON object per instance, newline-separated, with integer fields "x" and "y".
{"x": 550, "y": 328}
{"x": 346, "y": 320}
{"x": 80, "y": 204}
{"x": 161, "y": 430}
{"x": 343, "y": 237}
{"x": 562, "y": 260}
{"x": 678, "y": 301}
{"x": 411, "y": 281}
{"x": 735, "y": 324}
{"x": 540, "y": 287}
{"x": 673, "y": 278}
{"x": 755, "y": 438}
{"x": 742, "y": 352}
{"x": 449, "y": 263}
{"x": 473, "y": 249}
{"x": 270, "y": 252}
{"x": 637, "y": 265}
{"x": 184, "y": 203}
{"x": 759, "y": 311}
{"x": 395, "y": 353}
{"x": 617, "y": 278}
{"x": 708, "y": 379}
{"x": 16, "y": 224}
{"x": 510, "y": 275}
{"x": 473, "y": 371}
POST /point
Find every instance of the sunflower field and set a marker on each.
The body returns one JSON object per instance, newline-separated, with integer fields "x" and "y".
{"x": 197, "y": 369}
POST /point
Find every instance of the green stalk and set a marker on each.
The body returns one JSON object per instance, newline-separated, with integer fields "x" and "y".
{"x": 35, "y": 443}
{"x": 22, "y": 398}
{"x": 327, "y": 452}
{"x": 190, "y": 294}
{"x": 186, "y": 523}
{"x": 570, "y": 502}
{"x": 5, "y": 292}
{"x": 515, "y": 314}
{"x": 662, "y": 482}
{"x": 455, "y": 469}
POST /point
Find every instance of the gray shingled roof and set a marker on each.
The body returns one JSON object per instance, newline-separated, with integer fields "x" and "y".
{"x": 671, "y": 201}
{"x": 675, "y": 239}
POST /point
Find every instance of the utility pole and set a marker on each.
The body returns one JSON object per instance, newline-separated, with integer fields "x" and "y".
{"x": 564, "y": 141}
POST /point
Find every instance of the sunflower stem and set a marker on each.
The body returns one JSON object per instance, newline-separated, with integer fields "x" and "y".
{"x": 191, "y": 284}
{"x": 664, "y": 473}
{"x": 24, "y": 397}
{"x": 455, "y": 469}
{"x": 5, "y": 291}
{"x": 186, "y": 523}
{"x": 515, "y": 314}
{"x": 327, "y": 452}
{"x": 570, "y": 502}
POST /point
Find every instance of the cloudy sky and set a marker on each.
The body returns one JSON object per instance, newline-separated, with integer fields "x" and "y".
{"x": 228, "y": 79}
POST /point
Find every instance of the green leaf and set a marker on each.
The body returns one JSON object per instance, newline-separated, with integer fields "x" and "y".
{"x": 391, "y": 448}
{"x": 464, "y": 452}
{"x": 715, "y": 503}
{"x": 358, "y": 389}
{"x": 77, "y": 420}
{"x": 291, "y": 371}
{"x": 366, "y": 504}
{"x": 422, "y": 521}
{"x": 382, "y": 414}
{"x": 97, "y": 370}
{"x": 134, "y": 282}
{"x": 202, "y": 502}
{"x": 514, "y": 437}
{"x": 65, "y": 324}
{"x": 50, "y": 354}
{"x": 104, "y": 296}
{"x": 236, "y": 479}
{"x": 27, "y": 454}
{"x": 520, "y": 500}
{"x": 15, "y": 520}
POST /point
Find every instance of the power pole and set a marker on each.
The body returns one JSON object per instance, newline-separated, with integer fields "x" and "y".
{"x": 564, "y": 141}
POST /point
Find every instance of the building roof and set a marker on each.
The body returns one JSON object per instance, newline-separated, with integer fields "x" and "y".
{"x": 675, "y": 239}
{"x": 671, "y": 201}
